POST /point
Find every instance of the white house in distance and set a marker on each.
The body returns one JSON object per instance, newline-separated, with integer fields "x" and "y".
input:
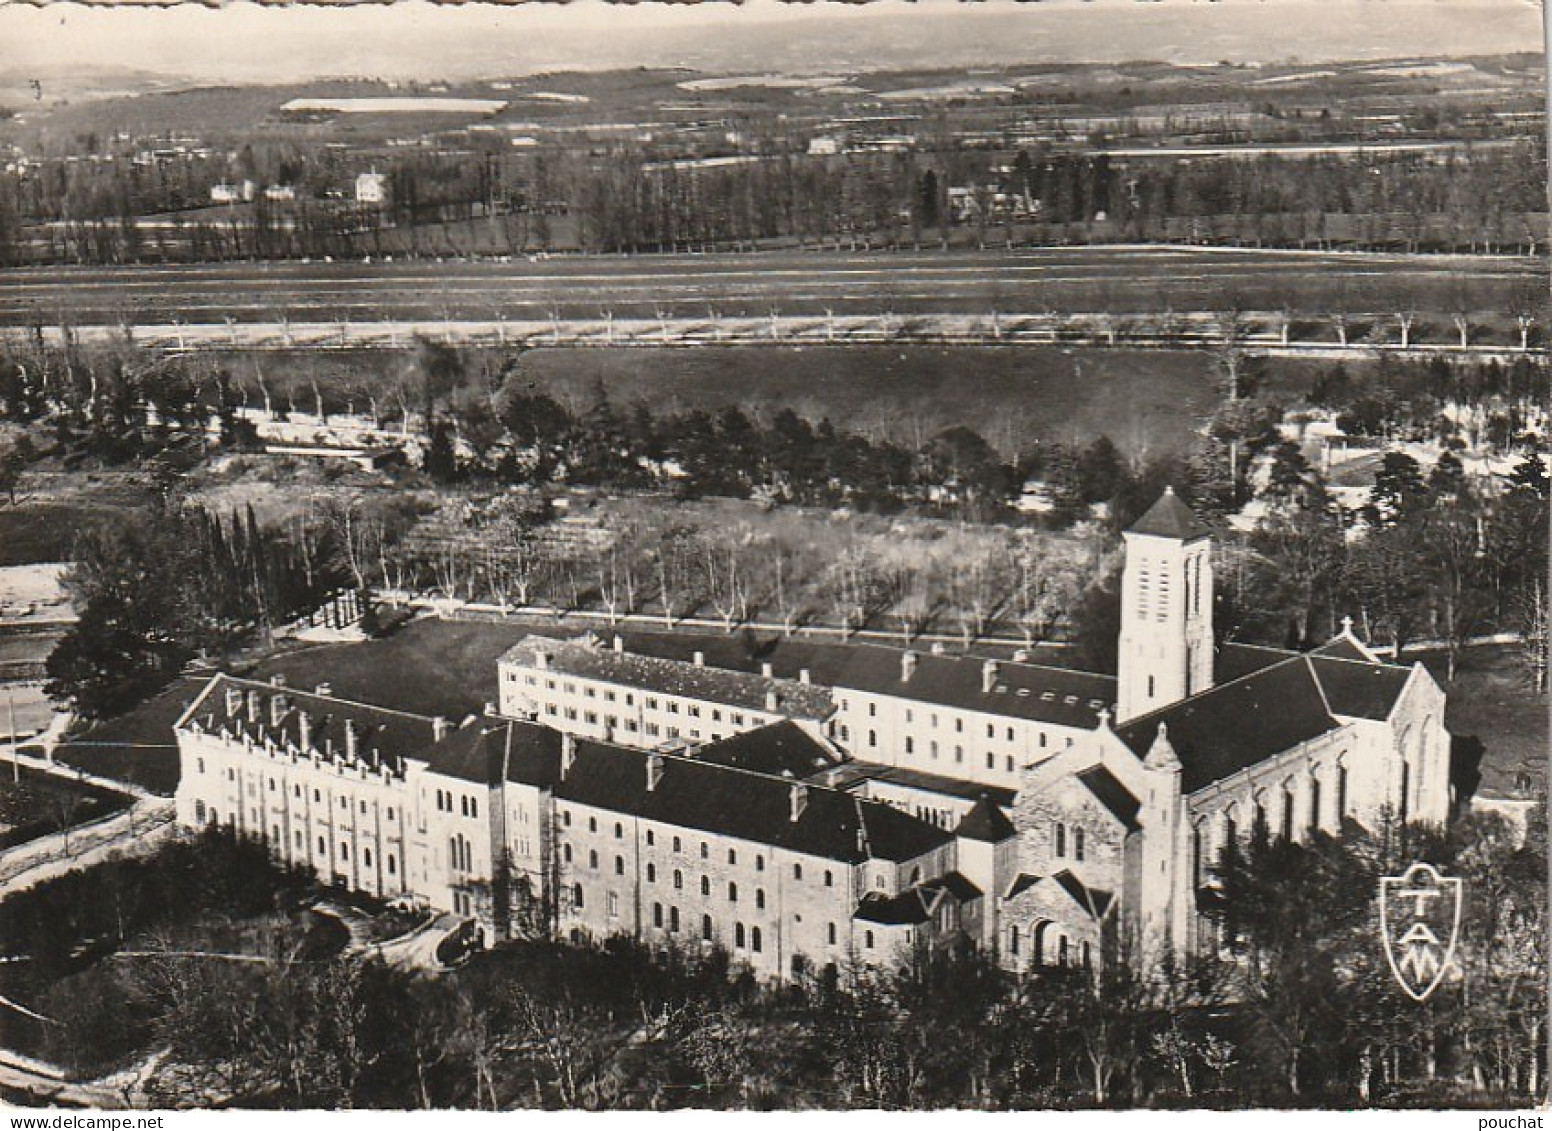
{"x": 804, "y": 804}
{"x": 372, "y": 187}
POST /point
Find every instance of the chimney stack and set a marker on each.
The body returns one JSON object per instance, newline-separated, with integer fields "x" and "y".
{"x": 803, "y": 676}
{"x": 654, "y": 771}
{"x": 277, "y": 681}
{"x": 324, "y": 689}
{"x": 797, "y": 796}
{"x": 907, "y": 666}
{"x": 766, "y": 670}
{"x": 772, "y": 701}
{"x": 541, "y": 659}
{"x": 988, "y": 676}
{"x": 304, "y": 723}
{"x": 568, "y": 753}
{"x": 700, "y": 659}
{"x": 438, "y": 729}
{"x": 937, "y": 648}
{"x": 350, "y": 740}
{"x": 619, "y": 645}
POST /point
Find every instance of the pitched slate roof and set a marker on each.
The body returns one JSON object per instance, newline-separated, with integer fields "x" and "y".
{"x": 959, "y": 886}
{"x": 985, "y": 821}
{"x": 489, "y": 751}
{"x": 738, "y": 803}
{"x": 905, "y": 909}
{"x": 1170, "y": 518}
{"x": 1037, "y": 692}
{"x": 1342, "y": 648}
{"x": 848, "y": 774}
{"x": 1360, "y": 688}
{"x": 669, "y": 677}
{"x": 382, "y": 735}
{"x": 1234, "y": 659}
{"x": 782, "y": 748}
{"x": 1021, "y": 883}
{"x": 1114, "y": 796}
{"x": 1094, "y": 900}
{"x": 1234, "y": 725}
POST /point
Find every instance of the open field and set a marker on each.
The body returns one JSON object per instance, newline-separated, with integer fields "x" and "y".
{"x": 1012, "y": 397}
{"x": 1492, "y": 699}
{"x": 138, "y": 746}
{"x": 1116, "y": 279}
{"x": 55, "y": 507}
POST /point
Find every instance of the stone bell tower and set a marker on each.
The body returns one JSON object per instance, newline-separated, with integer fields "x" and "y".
{"x": 1166, "y": 647}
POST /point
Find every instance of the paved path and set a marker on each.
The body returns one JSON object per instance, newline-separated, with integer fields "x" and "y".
{"x": 140, "y": 828}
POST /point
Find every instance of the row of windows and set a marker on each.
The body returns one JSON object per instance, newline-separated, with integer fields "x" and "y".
{"x": 467, "y": 806}
{"x": 1060, "y": 840}
{"x": 750, "y": 938}
{"x": 204, "y": 815}
{"x": 296, "y": 790}
{"x": 1260, "y": 825}
{"x": 1063, "y": 954}
{"x": 650, "y": 702}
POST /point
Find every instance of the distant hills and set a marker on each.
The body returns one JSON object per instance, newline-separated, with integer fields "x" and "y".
{"x": 96, "y": 50}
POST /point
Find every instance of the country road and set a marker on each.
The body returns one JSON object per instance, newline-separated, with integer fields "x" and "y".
{"x": 1118, "y": 279}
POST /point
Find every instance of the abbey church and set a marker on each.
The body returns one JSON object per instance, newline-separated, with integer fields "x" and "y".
{"x": 814, "y": 803}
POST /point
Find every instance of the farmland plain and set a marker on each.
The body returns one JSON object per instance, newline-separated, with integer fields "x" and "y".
{"x": 1115, "y": 279}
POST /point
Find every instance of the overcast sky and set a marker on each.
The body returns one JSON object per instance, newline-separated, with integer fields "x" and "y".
{"x": 411, "y": 38}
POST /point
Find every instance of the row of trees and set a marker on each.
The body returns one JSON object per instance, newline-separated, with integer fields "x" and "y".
{"x": 624, "y": 199}
{"x": 1297, "y": 1008}
{"x": 159, "y": 586}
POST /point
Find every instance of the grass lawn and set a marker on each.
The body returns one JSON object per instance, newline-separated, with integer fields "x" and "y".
{"x": 428, "y": 667}
{"x": 1493, "y": 700}
{"x": 137, "y": 746}
{"x": 1150, "y": 401}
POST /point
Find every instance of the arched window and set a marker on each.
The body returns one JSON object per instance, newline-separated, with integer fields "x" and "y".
{"x": 1341, "y": 793}
{"x": 576, "y": 896}
{"x": 738, "y": 935}
{"x": 867, "y": 939}
{"x": 657, "y": 914}
{"x": 651, "y": 873}
{"x": 1196, "y": 855}
{"x": 592, "y": 858}
{"x": 1013, "y": 940}
{"x": 759, "y": 899}
{"x": 706, "y": 927}
{"x": 705, "y": 885}
{"x": 678, "y": 880}
{"x": 1077, "y": 843}
{"x": 1314, "y": 803}
{"x": 1287, "y": 813}
{"x": 673, "y": 920}
{"x": 754, "y": 939}
{"x": 619, "y": 865}
{"x": 1061, "y": 951}
{"x": 732, "y": 893}
{"x": 1061, "y": 839}
{"x": 1088, "y": 958}
{"x": 565, "y": 853}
